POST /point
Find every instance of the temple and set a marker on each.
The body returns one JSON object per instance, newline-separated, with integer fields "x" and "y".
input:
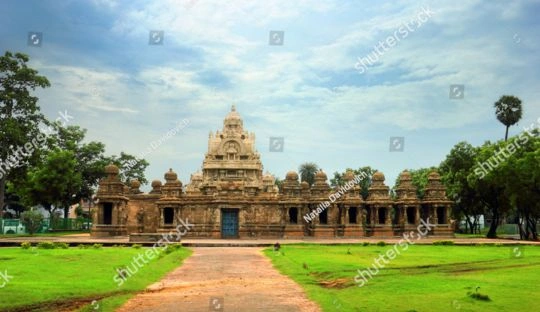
{"x": 232, "y": 198}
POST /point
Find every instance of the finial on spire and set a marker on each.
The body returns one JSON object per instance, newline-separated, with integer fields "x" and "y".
{"x": 233, "y": 108}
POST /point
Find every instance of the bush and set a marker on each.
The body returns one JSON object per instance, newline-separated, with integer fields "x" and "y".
{"x": 136, "y": 246}
{"x": 443, "y": 243}
{"x": 31, "y": 220}
{"x": 26, "y": 245}
{"x": 365, "y": 244}
{"x": 45, "y": 245}
{"x": 82, "y": 246}
{"x": 59, "y": 245}
{"x": 381, "y": 243}
{"x": 97, "y": 246}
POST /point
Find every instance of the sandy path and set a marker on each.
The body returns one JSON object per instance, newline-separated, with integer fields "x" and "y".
{"x": 233, "y": 279}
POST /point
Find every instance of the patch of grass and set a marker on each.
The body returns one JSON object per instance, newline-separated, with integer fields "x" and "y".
{"x": 419, "y": 278}
{"x": 61, "y": 275}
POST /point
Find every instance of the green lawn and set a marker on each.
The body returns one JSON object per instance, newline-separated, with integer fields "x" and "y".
{"x": 41, "y": 278}
{"x": 421, "y": 278}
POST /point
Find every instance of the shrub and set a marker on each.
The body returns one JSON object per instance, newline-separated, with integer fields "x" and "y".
{"x": 45, "y": 245}
{"x": 365, "y": 244}
{"x": 381, "y": 243}
{"x": 26, "y": 245}
{"x": 31, "y": 220}
{"x": 443, "y": 243}
{"x": 60, "y": 245}
{"x": 97, "y": 246}
{"x": 82, "y": 246}
{"x": 136, "y": 246}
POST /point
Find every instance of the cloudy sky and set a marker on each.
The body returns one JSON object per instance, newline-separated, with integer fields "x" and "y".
{"x": 129, "y": 86}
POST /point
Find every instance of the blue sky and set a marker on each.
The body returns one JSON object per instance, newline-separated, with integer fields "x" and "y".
{"x": 128, "y": 93}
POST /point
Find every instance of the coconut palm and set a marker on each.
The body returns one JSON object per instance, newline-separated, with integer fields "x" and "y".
{"x": 508, "y": 111}
{"x": 307, "y": 172}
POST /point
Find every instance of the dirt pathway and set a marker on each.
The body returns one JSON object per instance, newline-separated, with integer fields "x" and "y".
{"x": 223, "y": 279}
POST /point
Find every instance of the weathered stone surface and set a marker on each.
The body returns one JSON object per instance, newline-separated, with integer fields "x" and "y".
{"x": 232, "y": 197}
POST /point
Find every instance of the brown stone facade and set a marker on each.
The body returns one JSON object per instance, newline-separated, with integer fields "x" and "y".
{"x": 232, "y": 198}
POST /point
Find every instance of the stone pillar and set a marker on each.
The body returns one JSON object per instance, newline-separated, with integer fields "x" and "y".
{"x": 388, "y": 219}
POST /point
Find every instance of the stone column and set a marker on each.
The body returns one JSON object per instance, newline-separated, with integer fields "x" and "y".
{"x": 388, "y": 219}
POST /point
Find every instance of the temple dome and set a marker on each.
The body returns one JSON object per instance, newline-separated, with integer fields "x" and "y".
{"x": 292, "y": 176}
{"x": 349, "y": 175}
{"x": 304, "y": 185}
{"x": 405, "y": 175}
{"x": 156, "y": 183}
{"x": 321, "y": 175}
{"x": 378, "y": 176}
{"x": 434, "y": 175}
{"x": 135, "y": 184}
{"x": 171, "y": 176}
{"x": 112, "y": 169}
{"x": 233, "y": 114}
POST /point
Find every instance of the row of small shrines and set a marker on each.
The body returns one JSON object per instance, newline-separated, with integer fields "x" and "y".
{"x": 295, "y": 211}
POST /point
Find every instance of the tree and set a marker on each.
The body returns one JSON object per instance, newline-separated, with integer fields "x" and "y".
{"x": 307, "y": 172}
{"x": 364, "y": 184}
{"x": 419, "y": 179}
{"x": 89, "y": 156}
{"x": 130, "y": 167}
{"x": 13, "y": 201}
{"x": 455, "y": 169}
{"x": 20, "y": 116}
{"x": 508, "y": 111}
{"x": 32, "y": 221}
{"x": 54, "y": 183}
{"x": 490, "y": 186}
{"x": 522, "y": 183}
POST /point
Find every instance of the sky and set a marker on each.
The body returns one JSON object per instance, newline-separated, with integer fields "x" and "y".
{"x": 389, "y": 84}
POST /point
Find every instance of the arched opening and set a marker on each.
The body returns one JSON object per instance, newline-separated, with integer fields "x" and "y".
{"x": 382, "y": 215}
{"x": 107, "y": 213}
{"x": 323, "y": 217}
{"x": 441, "y": 215}
{"x": 293, "y": 215}
{"x": 168, "y": 215}
{"x": 353, "y": 215}
{"x": 411, "y": 215}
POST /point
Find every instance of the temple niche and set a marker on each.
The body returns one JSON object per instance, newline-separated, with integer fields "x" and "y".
{"x": 232, "y": 198}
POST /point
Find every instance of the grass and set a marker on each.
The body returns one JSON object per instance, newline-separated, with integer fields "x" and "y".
{"x": 44, "y": 278}
{"x": 421, "y": 278}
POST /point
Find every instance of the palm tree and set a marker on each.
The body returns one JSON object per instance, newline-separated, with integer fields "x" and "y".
{"x": 307, "y": 172}
{"x": 508, "y": 111}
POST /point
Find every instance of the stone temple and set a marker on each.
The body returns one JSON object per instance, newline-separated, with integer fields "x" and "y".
{"x": 232, "y": 198}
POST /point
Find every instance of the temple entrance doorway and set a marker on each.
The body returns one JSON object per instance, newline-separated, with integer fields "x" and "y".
{"x": 229, "y": 223}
